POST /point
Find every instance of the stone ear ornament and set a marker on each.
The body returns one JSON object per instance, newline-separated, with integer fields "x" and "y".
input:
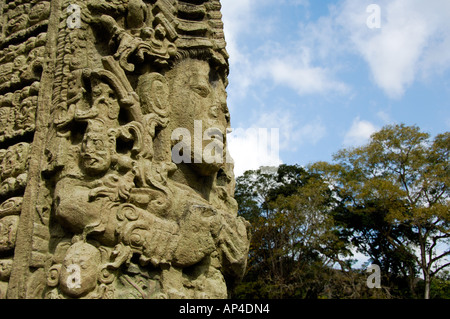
{"x": 53, "y": 276}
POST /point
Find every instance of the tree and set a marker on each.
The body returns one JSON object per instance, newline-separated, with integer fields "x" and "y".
{"x": 396, "y": 190}
{"x": 293, "y": 242}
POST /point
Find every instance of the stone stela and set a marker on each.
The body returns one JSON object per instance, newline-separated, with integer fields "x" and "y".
{"x": 92, "y": 204}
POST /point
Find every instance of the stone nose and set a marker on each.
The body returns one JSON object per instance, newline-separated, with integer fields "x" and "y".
{"x": 213, "y": 132}
{"x": 88, "y": 146}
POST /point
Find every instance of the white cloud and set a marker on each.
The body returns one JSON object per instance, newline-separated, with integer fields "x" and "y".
{"x": 385, "y": 117}
{"x": 414, "y": 39}
{"x": 413, "y": 43}
{"x": 252, "y": 148}
{"x": 271, "y": 133}
{"x": 293, "y": 133}
{"x": 237, "y": 17}
{"x": 285, "y": 64}
{"x": 311, "y": 133}
{"x": 302, "y": 77}
{"x": 359, "y": 133}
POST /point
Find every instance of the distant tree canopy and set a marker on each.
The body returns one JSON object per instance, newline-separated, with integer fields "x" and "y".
{"x": 289, "y": 214}
{"x": 388, "y": 199}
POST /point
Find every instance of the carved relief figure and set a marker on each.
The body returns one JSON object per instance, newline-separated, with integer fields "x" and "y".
{"x": 116, "y": 216}
{"x": 198, "y": 94}
{"x": 8, "y": 231}
{"x": 6, "y": 114}
{"x": 13, "y": 166}
{"x": 82, "y": 273}
{"x": 5, "y": 273}
{"x": 9, "y": 221}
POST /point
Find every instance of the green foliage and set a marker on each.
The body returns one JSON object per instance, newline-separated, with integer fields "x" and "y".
{"x": 294, "y": 242}
{"x": 389, "y": 199}
{"x": 395, "y": 191}
{"x": 440, "y": 286}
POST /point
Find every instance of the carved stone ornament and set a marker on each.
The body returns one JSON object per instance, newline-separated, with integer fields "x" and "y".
{"x": 94, "y": 199}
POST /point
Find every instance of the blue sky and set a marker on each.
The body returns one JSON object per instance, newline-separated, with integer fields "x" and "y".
{"x": 317, "y": 72}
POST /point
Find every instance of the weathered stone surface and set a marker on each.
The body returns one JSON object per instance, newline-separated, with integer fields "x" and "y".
{"x": 92, "y": 202}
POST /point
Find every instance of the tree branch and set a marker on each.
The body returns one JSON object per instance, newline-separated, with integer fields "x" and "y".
{"x": 447, "y": 253}
{"x": 439, "y": 269}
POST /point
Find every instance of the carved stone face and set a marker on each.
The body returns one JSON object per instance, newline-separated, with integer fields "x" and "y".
{"x": 26, "y": 114}
{"x": 19, "y": 62}
{"x": 79, "y": 271}
{"x": 5, "y": 268}
{"x": 73, "y": 85}
{"x": 104, "y": 100}
{"x": 199, "y": 95}
{"x": 136, "y": 14}
{"x": 8, "y": 163}
{"x": 4, "y": 115}
{"x": 95, "y": 152}
{"x": 40, "y": 11}
{"x": 8, "y": 230}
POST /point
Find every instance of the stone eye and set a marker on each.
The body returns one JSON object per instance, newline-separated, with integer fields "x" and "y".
{"x": 96, "y": 92}
{"x": 201, "y": 90}
{"x": 214, "y": 111}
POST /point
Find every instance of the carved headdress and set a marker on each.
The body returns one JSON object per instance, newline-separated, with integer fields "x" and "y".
{"x": 165, "y": 31}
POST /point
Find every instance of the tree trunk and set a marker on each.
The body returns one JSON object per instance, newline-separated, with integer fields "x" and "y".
{"x": 424, "y": 265}
{"x": 427, "y": 278}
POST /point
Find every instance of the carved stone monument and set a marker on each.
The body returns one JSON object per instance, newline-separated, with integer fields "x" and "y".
{"x": 93, "y": 95}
